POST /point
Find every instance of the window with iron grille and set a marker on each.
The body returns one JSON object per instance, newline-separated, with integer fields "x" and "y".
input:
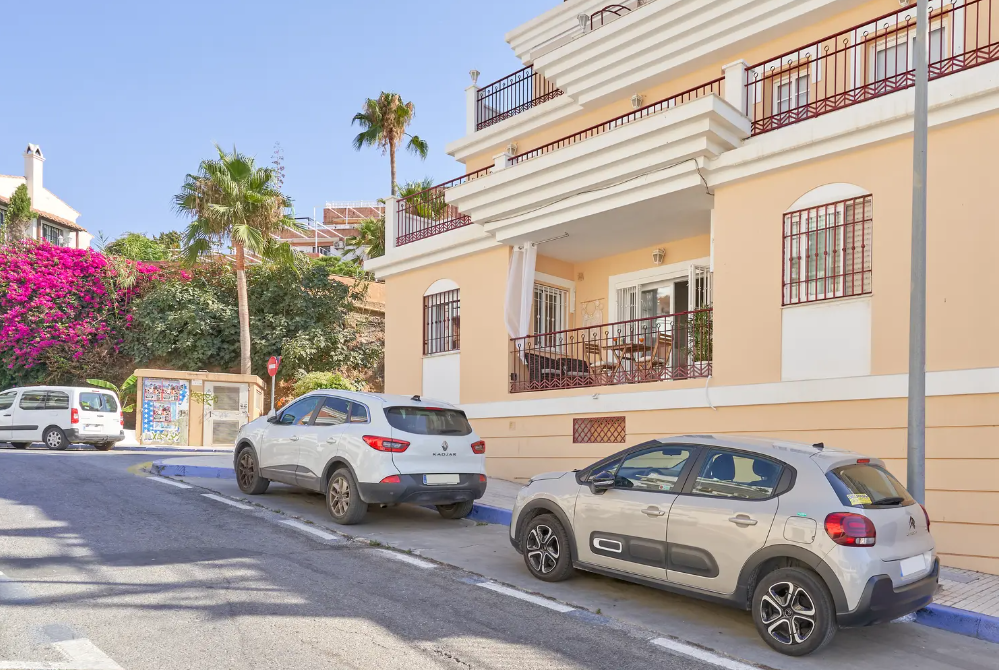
{"x": 598, "y": 430}
{"x": 441, "y": 322}
{"x": 827, "y": 251}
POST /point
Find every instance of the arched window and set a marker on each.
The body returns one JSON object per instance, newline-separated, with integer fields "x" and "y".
{"x": 828, "y": 247}
{"x": 441, "y": 318}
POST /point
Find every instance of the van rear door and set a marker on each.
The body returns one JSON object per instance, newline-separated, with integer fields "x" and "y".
{"x": 440, "y": 441}
{"x": 99, "y": 413}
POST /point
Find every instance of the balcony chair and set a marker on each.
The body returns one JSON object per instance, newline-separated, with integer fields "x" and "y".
{"x": 594, "y": 352}
{"x": 658, "y": 355}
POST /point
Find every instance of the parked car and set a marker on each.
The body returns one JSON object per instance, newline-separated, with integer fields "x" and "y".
{"x": 59, "y": 416}
{"x": 365, "y": 448}
{"x": 810, "y": 539}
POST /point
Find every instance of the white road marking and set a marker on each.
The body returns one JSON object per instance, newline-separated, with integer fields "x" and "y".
{"x": 544, "y": 602}
{"x": 235, "y": 504}
{"x": 702, "y": 654}
{"x": 81, "y": 654}
{"x": 171, "y": 482}
{"x": 406, "y": 558}
{"x": 305, "y": 528}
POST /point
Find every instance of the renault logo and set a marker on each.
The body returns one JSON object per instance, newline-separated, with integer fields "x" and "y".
{"x": 912, "y": 523}
{"x": 444, "y": 447}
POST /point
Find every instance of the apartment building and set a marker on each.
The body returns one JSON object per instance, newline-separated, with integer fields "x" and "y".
{"x": 55, "y": 221}
{"x": 693, "y": 216}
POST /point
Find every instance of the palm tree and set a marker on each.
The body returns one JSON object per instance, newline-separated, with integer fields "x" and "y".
{"x": 232, "y": 200}
{"x": 383, "y": 123}
{"x": 370, "y": 238}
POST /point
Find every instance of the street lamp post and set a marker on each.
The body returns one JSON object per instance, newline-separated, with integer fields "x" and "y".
{"x": 916, "y": 433}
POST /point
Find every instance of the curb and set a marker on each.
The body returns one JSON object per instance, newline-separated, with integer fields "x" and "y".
{"x": 962, "y": 622}
{"x": 183, "y": 450}
{"x": 480, "y": 511}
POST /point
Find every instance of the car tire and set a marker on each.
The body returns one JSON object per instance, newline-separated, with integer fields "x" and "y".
{"x": 248, "y": 476}
{"x": 793, "y": 611}
{"x": 343, "y": 500}
{"x": 546, "y": 549}
{"x": 457, "y": 510}
{"x": 104, "y": 446}
{"x": 55, "y": 439}
{"x": 20, "y": 445}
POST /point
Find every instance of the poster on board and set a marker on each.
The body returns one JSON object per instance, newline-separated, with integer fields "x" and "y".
{"x": 165, "y": 411}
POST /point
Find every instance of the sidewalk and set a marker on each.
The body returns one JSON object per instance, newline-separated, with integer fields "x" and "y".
{"x": 967, "y": 602}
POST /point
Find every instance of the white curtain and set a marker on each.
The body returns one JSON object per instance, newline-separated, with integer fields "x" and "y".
{"x": 520, "y": 290}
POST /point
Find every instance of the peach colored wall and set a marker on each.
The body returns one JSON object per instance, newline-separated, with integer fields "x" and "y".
{"x": 781, "y": 44}
{"x": 962, "y": 275}
{"x": 962, "y": 461}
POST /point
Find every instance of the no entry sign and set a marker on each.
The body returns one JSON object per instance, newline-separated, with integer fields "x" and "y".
{"x": 273, "y": 364}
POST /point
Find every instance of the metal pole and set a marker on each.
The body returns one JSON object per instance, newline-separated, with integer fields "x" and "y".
{"x": 916, "y": 441}
{"x": 273, "y": 384}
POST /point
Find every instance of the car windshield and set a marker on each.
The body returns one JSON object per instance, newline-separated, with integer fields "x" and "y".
{"x": 428, "y": 421}
{"x": 865, "y": 485}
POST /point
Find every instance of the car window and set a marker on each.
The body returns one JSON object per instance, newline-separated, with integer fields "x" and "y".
{"x": 298, "y": 413}
{"x": 56, "y": 400}
{"x": 865, "y": 485}
{"x": 7, "y": 399}
{"x": 428, "y": 421}
{"x": 33, "y": 400}
{"x": 731, "y": 475}
{"x": 358, "y": 413}
{"x": 110, "y": 403}
{"x": 654, "y": 470}
{"x": 333, "y": 412}
{"x": 91, "y": 402}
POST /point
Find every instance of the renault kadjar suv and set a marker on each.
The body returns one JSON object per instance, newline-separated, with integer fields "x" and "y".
{"x": 808, "y": 538}
{"x": 366, "y": 448}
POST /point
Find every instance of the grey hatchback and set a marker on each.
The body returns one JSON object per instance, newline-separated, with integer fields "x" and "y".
{"x": 810, "y": 539}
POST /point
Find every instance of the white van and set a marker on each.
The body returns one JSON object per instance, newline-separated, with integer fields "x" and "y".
{"x": 59, "y": 416}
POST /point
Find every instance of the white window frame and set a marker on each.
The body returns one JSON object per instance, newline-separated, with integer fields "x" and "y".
{"x": 792, "y": 80}
{"x": 892, "y": 42}
{"x": 671, "y": 272}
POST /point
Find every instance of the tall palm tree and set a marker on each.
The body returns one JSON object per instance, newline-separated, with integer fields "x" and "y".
{"x": 383, "y": 123}
{"x": 232, "y": 200}
{"x": 370, "y": 238}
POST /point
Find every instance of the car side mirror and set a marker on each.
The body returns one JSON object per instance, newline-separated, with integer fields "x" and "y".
{"x": 602, "y": 481}
{"x": 273, "y": 418}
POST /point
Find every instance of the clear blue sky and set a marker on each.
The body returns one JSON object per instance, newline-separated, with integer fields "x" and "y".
{"x": 125, "y": 98}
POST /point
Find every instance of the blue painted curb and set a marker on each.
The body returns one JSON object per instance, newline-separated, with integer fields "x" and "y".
{"x": 962, "y": 622}
{"x": 480, "y": 512}
{"x": 182, "y": 450}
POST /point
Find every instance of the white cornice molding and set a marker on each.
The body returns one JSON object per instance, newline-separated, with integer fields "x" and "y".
{"x": 455, "y": 243}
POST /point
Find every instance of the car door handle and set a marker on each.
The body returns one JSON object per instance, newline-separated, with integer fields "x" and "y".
{"x": 333, "y": 440}
{"x": 293, "y": 438}
{"x": 743, "y": 520}
{"x": 653, "y": 511}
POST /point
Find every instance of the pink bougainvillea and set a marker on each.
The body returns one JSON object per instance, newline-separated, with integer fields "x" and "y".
{"x": 66, "y": 300}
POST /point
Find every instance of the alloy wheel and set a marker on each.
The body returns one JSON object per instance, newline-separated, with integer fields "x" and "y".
{"x": 542, "y": 549}
{"x": 247, "y": 470}
{"x": 339, "y": 496}
{"x": 788, "y": 613}
{"x": 53, "y": 439}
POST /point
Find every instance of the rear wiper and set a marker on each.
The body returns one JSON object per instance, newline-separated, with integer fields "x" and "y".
{"x": 893, "y": 500}
{"x": 451, "y": 431}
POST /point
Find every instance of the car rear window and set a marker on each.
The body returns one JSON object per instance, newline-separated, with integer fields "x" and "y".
{"x": 868, "y": 486}
{"x": 428, "y": 421}
{"x": 97, "y": 402}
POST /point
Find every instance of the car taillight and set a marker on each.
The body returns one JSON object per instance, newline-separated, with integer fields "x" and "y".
{"x": 121, "y": 419}
{"x": 851, "y": 530}
{"x": 392, "y": 479}
{"x": 386, "y": 444}
{"x": 479, "y": 447}
{"x": 482, "y": 479}
{"x": 927, "y": 515}
{"x": 74, "y": 415}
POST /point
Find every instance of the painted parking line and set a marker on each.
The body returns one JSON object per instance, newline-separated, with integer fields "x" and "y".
{"x": 406, "y": 558}
{"x": 702, "y": 654}
{"x": 81, "y": 654}
{"x": 237, "y": 505}
{"x": 305, "y": 528}
{"x": 527, "y": 597}
{"x": 171, "y": 482}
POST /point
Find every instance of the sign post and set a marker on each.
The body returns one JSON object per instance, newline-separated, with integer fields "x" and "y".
{"x": 272, "y": 369}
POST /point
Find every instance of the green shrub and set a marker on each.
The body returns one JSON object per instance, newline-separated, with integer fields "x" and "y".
{"x": 313, "y": 381}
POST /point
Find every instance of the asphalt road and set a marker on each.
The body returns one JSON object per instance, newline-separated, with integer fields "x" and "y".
{"x": 104, "y": 569}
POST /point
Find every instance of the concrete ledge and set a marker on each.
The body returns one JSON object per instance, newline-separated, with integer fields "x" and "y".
{"x": 962, "y": 622}
{"x": 490, "y": 514}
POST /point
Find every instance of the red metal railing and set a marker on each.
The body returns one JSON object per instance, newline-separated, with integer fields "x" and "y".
{"x": 608, "y": 13}
{"x": 512, "y": 95}
{"x": 715, "y": 87}
{"x": 828, "y": 251}
{"x": 867, "y": 61}
{"x": 427, "y": 213}
{"x": 659, "y": 348}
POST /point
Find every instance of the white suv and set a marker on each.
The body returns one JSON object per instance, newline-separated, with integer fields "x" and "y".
{"x": 365, "y": 448}
{"x": 59, "y": 416}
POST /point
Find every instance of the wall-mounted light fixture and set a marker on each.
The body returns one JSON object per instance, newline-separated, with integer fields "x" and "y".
{"x": 658, "y": 256}
{"x": 475, "y": 77}
{"x": 584, "y": 21}
{"x": 512, "y": 148}
{"x": 637, "y": 100}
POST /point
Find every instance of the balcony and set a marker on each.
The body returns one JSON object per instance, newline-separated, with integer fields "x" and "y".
{"x": 654, "y": 349}
{"x": 512, "y": 95}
